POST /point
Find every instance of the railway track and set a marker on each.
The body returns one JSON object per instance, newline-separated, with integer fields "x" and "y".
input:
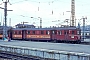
{"x": 85, "y": 43}
{"x": 82, "y": 42}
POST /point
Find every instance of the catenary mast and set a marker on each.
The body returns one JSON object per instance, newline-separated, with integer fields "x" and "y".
{"x": 72, "y": 21}
{"x": 5, "y": 18}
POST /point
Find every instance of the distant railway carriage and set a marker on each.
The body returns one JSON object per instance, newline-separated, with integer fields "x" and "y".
{"x": 8, "y": 33}
{"x": 1, "y": 34}
{"x": 48, "y": 34}
{"x": 16, "y": 34}
{"x": 9, "y": 29}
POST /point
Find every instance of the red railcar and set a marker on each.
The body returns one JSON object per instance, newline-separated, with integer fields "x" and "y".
{"x": 32, "y": 34}
{"x": 72, "y": 34}
{"x": 16, "y": 34}
{"x": 1, "y": 34}
{"x": 48, "y": 34}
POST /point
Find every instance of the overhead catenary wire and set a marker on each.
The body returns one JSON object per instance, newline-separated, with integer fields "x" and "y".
{"x": 19, "y": 1}
{"x": 40, "y": 2}
{"x": 47, "y": 2}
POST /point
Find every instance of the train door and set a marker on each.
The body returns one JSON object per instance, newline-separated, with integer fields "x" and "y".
{"x": 10, "y": 33}
{"x": 54, "y": 34}
{"x": 66, "y": 33}
{"x": 24, "y": 34}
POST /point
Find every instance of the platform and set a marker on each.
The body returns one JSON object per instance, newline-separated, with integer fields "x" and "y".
{"x": 46, "y": 50}
{"x": 50, "y": 46}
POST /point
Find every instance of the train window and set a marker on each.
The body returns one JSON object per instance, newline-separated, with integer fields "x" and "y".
{"x": 42, "y": 32}
{"x": 59, "y": 32}
{"x": 65, "y": 32}
{"x": 33, "y": 32}
{"x": 47, "y": 32}
{"x": 54, "y": 32}
{"x": 28, "y": 32}
{"x": 19, "y": 32}
{"x": 15, "y": 32}
{"x": 85, "y": 33}
{"x": 73, "y": 32}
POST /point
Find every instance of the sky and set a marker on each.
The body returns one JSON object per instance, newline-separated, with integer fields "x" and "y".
{"x": 23, "y": 10}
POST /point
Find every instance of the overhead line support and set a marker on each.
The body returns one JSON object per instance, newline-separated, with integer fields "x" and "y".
{"x": 5, "y": 35}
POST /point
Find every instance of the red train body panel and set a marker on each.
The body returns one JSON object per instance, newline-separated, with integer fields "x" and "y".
{"x": 45, "y": 34}
{"x": 17, "y": 34}
{"x": 48, "y": 34}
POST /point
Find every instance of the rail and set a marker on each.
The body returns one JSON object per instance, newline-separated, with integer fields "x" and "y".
{"x": 45, "y": 53}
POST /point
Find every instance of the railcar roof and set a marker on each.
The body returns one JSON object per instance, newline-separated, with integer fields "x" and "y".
{"x": 60, "y": 28}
